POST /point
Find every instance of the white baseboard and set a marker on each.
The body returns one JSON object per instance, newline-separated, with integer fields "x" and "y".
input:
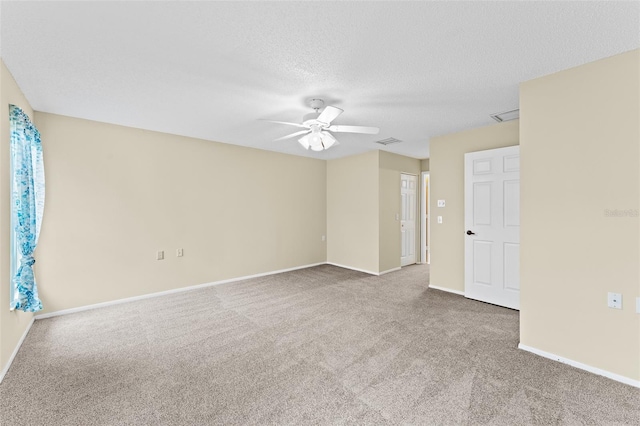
{"x": 576, "y": 364}
{"x": 364, "y": 270}
{"x": 390, "y": 270}
{"x": 164, "y": 293}
{"x": 15, "y": 351}
{"x": 195, "y": 287}
{"x": 448, "y": 290}
{"x": 352, "y": 268}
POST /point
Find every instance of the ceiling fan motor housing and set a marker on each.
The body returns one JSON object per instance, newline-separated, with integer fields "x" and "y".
{"x": 311, "y": 118}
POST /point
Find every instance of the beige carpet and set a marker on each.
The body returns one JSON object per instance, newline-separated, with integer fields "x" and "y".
{"x": 318, "y": 346}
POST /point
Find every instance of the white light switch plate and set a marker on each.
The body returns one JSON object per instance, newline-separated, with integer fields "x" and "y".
{"x": 440, "y": 203}
{"x": 638, "y": 305}
{"x": 439, "y": 219}
{"x": 614, "y": 300}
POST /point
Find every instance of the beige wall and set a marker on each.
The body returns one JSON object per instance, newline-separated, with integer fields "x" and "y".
{"x": 391, "y": 166}
{"x": 579, "y": 137}
{"x": 353, "y": 211}
{"x": 447, "y": 183}
{"x": 12, "y": 323}
{"x": 116, "y": 195}
{"x": 363, "y": 198}
{"x": 424, "y": 165}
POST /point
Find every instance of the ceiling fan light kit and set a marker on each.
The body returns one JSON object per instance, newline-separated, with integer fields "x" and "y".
{"x": 317, "y": 137}
{"x": 317, "y": 141}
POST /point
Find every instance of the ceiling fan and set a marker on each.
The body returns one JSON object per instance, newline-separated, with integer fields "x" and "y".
{"x": 318, "y": 126}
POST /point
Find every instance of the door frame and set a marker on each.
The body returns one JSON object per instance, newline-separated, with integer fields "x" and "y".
{"x": 425, "y": 235}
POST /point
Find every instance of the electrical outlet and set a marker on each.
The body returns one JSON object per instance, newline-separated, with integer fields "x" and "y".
{"x": 614, "y": 300}
{"x": 441, "y": 203}
{"x": 160, "y": 255}
{"x": 179, "y": 252}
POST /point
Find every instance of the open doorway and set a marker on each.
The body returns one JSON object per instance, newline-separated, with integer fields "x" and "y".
{"x": 424, "y": 220}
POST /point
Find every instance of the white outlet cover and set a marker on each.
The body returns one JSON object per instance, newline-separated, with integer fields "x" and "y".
{"x": 441, "y": 203}
{"x": 614, "y": 300}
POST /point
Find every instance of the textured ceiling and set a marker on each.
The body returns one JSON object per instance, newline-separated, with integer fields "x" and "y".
{"x": 211, "y": 69}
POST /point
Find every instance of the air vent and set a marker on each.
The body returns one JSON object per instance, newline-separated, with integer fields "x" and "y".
{"x": 388, "y": 141}
{"x": 514, "y": 114}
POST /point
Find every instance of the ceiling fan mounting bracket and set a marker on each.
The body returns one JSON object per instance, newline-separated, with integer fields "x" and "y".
{"x": 316, "y": 104}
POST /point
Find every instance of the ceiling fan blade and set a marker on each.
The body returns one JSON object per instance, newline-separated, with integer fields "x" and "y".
{"x": 302, "y": 132}
{"x": 285, "y": 122}
{"x": 355, "y": 129}
{"x": 329, "y": 114}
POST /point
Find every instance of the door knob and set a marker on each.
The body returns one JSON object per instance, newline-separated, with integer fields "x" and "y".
{"x": 471, "y": 233}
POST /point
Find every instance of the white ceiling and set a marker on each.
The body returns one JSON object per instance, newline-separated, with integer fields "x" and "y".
{"x": 211, "y": 69}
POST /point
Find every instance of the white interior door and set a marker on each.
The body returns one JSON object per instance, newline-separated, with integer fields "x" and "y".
{"x": 408, "y": 193}
{"x": 492, "y": 226}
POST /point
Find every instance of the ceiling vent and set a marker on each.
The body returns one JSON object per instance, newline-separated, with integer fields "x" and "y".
{"x": 513, "y": 114}
{"x": 388, "y": 141}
